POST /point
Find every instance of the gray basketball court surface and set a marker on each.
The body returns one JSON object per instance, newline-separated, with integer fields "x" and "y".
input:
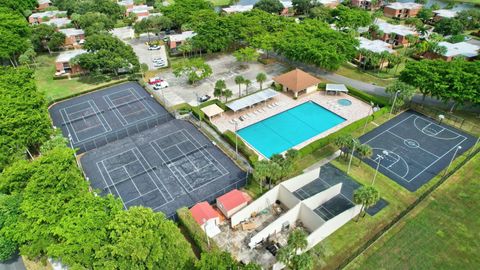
{"x": 330, "y": 176}
{"x": 411, "y": 148}
{"x": 138, "y": 152}
{"x": 95, "y": 119}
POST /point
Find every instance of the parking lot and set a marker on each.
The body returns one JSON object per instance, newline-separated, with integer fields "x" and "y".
{"x": 146, "y": 56}
{"x": 225, "y": 67}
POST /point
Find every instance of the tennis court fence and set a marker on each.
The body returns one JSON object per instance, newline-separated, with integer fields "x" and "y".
{"x": 119, "y": 134}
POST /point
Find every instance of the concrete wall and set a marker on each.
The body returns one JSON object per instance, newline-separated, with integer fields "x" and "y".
{"x": 310, "y": 220}
{"x": 290, "y": 216}
{"x": 258, "y": 205}
{"x": 312, "y": 88}
{"x": 301, "y": 180}
{"x": 331, "y": 226}
{"x": 324, "y": 196}
{"x": 286, "y": 197}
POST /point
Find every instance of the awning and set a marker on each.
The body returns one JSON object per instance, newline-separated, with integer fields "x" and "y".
{"x": 212, "y": 110}
{"x": 253, "y": 99}
{"x": 336, "y": 87}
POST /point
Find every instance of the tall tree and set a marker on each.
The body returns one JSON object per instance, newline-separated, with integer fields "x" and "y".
{"x": 270, "y": 6}
{"x": 194, "y": 69}
{"x": 351, "y": 18}
{"x": 239, "y": 80}
{"x": 14, "y": 34}
{"x": 366, "y": 196}
{"x": 302, "y": 6}
{"x": 449, "y": 26}
{"x": 182, "y": 11}
{"x": 261, "y": 78}
{"x": 246, "y": 55}
{"x": 93, "y": 22}
{"x": 289, "y": 254}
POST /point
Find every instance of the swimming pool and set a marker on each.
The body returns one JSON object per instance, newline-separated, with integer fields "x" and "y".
{"x": 289, "y": 128}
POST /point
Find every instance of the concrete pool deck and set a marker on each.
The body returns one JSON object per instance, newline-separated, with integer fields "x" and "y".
{"x": 352, "y": 113}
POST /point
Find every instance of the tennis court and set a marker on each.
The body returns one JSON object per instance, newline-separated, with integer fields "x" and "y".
{"x": 411, "y": 148}
{"x": 330, "y": 176}
{"x": 164, "y": 168}
{"x": 95, "y": 119}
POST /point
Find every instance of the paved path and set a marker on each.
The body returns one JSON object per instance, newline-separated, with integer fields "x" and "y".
{"x": 322, "y": 162}
{"x": 13, "y": 264}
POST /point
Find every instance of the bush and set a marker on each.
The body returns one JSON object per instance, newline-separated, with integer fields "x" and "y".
{"x": 229, "y": 136}
{"x": 7, "y": 248}
{"x": 194, "y": 230}
{"x": 381, "y": 101}
{"x": 312, "y": 147}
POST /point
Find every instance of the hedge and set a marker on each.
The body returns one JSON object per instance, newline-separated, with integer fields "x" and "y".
{"x": 230, "y": 136}
{"x": 322, "y": 142}
{"x": 381, "y": 101}
{"x": 194, "y": 230}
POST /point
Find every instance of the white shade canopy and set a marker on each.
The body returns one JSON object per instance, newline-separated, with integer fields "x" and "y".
{"x": 253, "y": 99}
{"x": 336, "y": 87}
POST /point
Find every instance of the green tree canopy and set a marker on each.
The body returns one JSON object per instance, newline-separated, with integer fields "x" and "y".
{"x": 270, "y": 6}
{"x": 14, "y": 35}
{"x": 289, "y": 254}
{"x": 182, "y": 11}
{"x": 93, "y": 22}
{"x": 449, "y": 26}
{"x": 194, "y": 69}
{"x": 366, "y": 196}
{"x": 24, "y": 122}
{"x": 107, "y": 54}
{"x": 351, "y": 18}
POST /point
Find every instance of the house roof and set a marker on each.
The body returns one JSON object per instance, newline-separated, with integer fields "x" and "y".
{"x": 288, "y": 3}
{"x": 252, "y": 99}
{"x": 328, "y": 2}
{"x": 58, "y": 22}
{"x": 238, "y": 8}
{"x": 232, "y": 199}
{"x": 183, "y": 36}
{"x": 376, "y": 46}
{"x": 336, "y": 87}
{"x": 125, "y": 2}
{"x": 72, "y": 31}
{"x": 406, "y": 5}
{"x": 51, "y": 13}
{"x": 203, "y": 211}
{"x": 398, "y": 29}
{"x": 140, "y": 9}
{"x": 212, "y": 110}
{"x": 296, "y": 80}
{"x": 445, "y": 13}
{"x": 66, "y": 56}
{"x": 461, "y": 48}
{"x": 44, "y": 2}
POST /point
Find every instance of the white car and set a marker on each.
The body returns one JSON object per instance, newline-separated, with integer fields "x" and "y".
{"x": 161, "y": 85}
{"x": 154, "y": 48}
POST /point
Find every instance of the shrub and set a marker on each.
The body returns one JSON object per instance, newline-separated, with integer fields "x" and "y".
{"x": 312, "y": 147}
{"x": 229, "y": 136}
{"x": 194, "y": 230}
{"x": 381, "y": 101}
{"x": 7, "y": 248}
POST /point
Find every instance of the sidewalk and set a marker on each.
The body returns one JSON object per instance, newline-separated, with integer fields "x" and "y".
{"x": 322, "y": 162}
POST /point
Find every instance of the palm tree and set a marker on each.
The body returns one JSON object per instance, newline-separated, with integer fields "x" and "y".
{"x": 366, "y": 196}
{"x": 364, "y": 151}
{"x": 261, "y": 172}
{"x": 227, "y": 93}
{"x": 261, "y": 78}
{"x": 218, "y": 89}
{"x": 247, "y": 83}
{"x": 239, "y": 80}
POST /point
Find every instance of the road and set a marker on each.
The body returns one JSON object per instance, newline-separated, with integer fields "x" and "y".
{"x": 13, "y": 264}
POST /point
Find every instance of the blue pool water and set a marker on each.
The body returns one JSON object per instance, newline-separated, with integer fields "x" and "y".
{"x": 289, "y": 128}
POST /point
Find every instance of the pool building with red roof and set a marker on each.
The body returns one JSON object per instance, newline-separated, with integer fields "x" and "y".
{"x": 232, "y": 202}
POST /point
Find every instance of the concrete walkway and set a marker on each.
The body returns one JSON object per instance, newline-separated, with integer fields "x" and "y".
{"x": 13, "y": 264}
{"x": 322, "y": 162}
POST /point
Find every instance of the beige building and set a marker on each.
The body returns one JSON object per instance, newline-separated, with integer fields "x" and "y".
{"x": 298, "y": 82}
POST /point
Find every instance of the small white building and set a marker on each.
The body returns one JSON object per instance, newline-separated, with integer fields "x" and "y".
{"x": 177, "y": 39}
{"x": 59, "y": 22}
{"x": 461, "y": 49}
{"x": 237, "y": 8}
{"x": 376, "y": 46}
{"x": 444, "y": 13}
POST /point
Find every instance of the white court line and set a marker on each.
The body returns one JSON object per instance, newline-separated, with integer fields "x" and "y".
{"x": 115, "y": 111}
{"x": 171, "y": 197}
{"x": 131, "y": 180}
{"x": 119, "y": 195}
{"x": 100, "y": 115}
{"x": 135, "y": 93}
{"x": 438, "y": 159}
{"x": 116, "y": 106}
{"x": 440, "y": 138}
{"x": 421, "y": 148}
{"x": 212, "y": 157}
{"x": 388, "y": 129}
{"x": 386, "y": 168}
{"x": 72, "y": 132}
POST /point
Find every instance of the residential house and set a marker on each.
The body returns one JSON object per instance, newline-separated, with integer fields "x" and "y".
{"x": 231, "y": 202}
{"x": 43, "y": 4}
{"x": 394, "y": 34}
{"x": 367, "y": 4}
{"x": 402, "y": 10}
{"x": 64, "y": 65}
{"x": 177, "y": 39}
{"x": 329, "y": 3}
{"x": 298, "y": 82}
{"x": 59, "y": 22}
{"x": 126, "y": 3}
{"x": 376, "y": 46}
{"x": 40, "y": 17}
{"x": 237, "y": 9}
{"x": 206, "y": 217}
{"x": 443, "y": 13}
{"x": 456, "y": 50}
{"x": 73, "y": 37}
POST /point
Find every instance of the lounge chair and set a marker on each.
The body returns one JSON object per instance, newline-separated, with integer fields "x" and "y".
{"x": 250, "y": 114}
{"x": 258, "y": 111}
{"x": 231, "y": 121}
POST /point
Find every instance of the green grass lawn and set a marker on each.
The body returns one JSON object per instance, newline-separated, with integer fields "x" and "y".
{"x": 442, "y": 233}
{"x": 352, "y": 72}
{"x": 56, "y": 89}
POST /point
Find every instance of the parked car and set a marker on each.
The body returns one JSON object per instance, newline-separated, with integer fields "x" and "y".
{"x": 154, "y": 48}
{"x": 154, "y": 80}
{"x": 158, "y": 60}
{"x": 161, "y": 85}
{"x": 204, "y": 98}
{"x": 158, "y": 65}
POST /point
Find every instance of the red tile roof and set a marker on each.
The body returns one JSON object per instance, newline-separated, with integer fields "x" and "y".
{"x": 297, "y": 80}
{"x": 232, "y": 199}
{"x": 203, "y": 210}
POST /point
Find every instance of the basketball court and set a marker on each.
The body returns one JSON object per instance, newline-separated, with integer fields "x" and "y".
{"x": 411, "y": 148}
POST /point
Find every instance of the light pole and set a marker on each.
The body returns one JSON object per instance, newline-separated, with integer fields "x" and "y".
{"x": 451, "y": 161}
{"x": 351, "y": 156}
{"x": 440, "y": 118}
{"x": 379, "y": 158}
{"x": 393, "y": 104}
{"x": 366, "y": 118}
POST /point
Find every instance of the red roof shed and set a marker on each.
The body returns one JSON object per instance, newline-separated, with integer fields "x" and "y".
{"x": 231, "y": 202}
{"x": 203, "y": 212}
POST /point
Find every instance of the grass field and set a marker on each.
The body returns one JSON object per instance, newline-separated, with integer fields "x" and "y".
{"x": 442, "y": 233}
{"x": 352, "y": 72}
{"x": 55, "y": 89}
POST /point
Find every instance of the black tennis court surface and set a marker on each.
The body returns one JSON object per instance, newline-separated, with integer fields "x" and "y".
{"x": 95, "y": 119}
{"x": 412, "y": 148}
{"x": 164, "y": 168}
{"x": 330, "y": 176}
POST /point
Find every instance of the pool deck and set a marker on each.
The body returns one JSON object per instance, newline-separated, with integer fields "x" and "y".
{"x": 352, "y": 113}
